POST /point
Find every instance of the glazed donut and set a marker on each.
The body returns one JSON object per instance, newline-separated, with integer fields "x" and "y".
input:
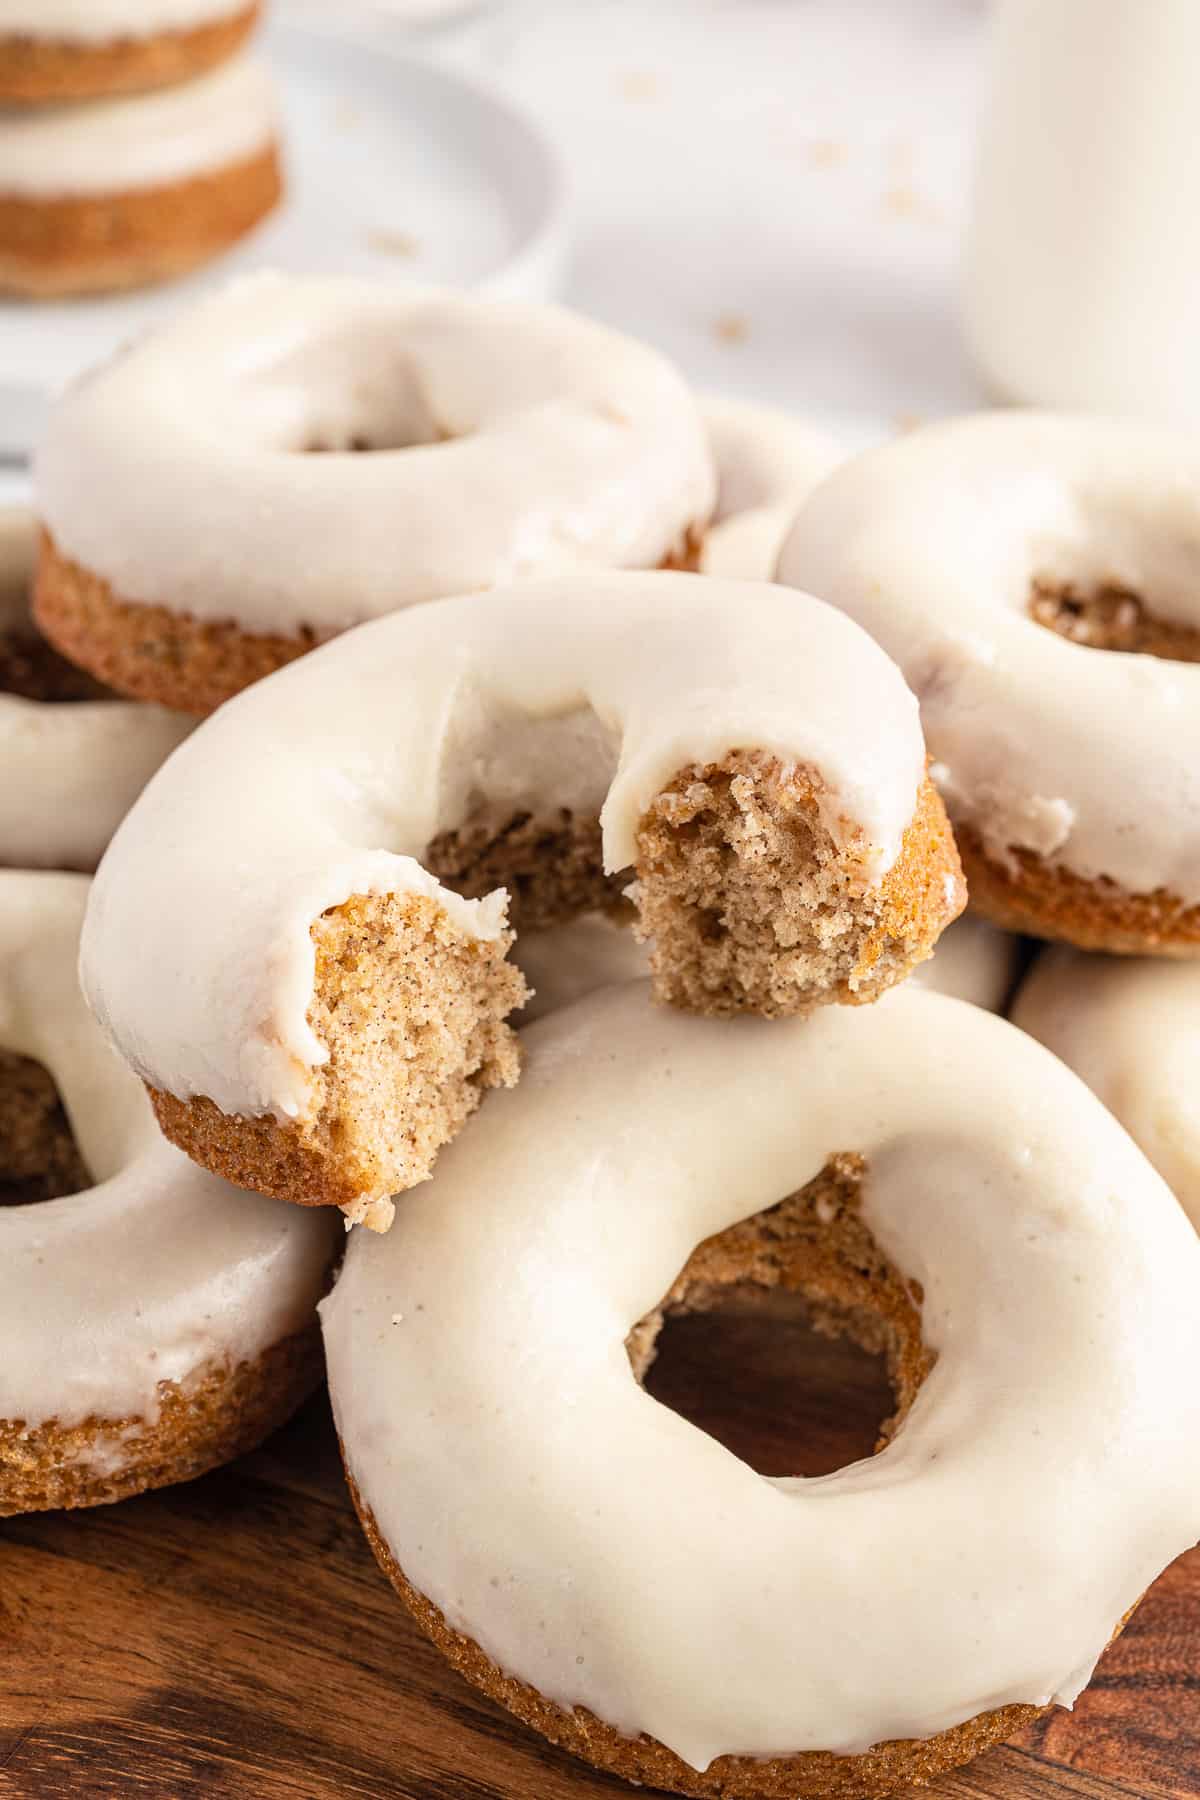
{"x": 629, "y": 1587}
{"x": 117, "y": 193}
{"x": 996, "y": 558}
{"x": 58, "y": 50}
{"x": 157, "y": 1323}
{"x": 192, "y": 546}
{"x": 72, "y": 756}
{"x": 315, "y": 1012}
{"x": 767, "y": 464}
{"x": 1126, "y": 1027}
{"x": 561, "y": 963}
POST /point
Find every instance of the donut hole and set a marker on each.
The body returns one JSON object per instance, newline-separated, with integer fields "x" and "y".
{"x": 316, "y": 403}
{"x": 790, "y": 1337}
{"x": 1111, "y": 618}
{"x": 39, "y": 1158}
{"x": 30, "y": 667}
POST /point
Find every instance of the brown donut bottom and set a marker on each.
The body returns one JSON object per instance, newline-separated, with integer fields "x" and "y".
{"x": 813, "y": 1244}
{"x": 37, "y": 71}
{"x": 218, "y": 1415}
{"x": 1044, "y": 900}
{"x": 151, "y": 653}
{"x": 99, "y": 243}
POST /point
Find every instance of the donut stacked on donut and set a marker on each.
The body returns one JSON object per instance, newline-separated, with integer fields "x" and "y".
{"x": 1034, "y": 576}
{"x": 73, "y": 755}
{"x": 155, "y": 1321}
{"x": 932, "y": 1182}
{"x": 301, "y": 454}
{"x": 315, "y": 1011}
{"x": 56, "y": 50}
{"x": 104, "y": 185}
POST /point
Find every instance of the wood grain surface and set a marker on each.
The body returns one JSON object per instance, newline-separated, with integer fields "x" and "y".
{"x": 234, "y": 1638}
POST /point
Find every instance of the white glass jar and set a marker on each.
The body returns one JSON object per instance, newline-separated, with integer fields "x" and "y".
{"x": 1082, "y": 283}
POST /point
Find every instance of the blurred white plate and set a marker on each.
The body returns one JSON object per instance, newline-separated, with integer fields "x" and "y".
{"x": 397, "y": 168}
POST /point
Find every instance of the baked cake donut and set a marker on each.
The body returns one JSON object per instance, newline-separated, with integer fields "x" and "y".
{"x": 1126, "y": 1026}
{"x": 73, "y": 757}
{"x": 154, "y": 1321}
{"x": 206, "y": 520}
{"x": 315, "y": 1012}
{"x": 118, "y": 193}
{"x": 767, "y": 464}
{"x": 933, "y": 1183}
{"x": 561, "y": 963}
{"x": 66, "y": 50}
{"x": 1034, "y": 575}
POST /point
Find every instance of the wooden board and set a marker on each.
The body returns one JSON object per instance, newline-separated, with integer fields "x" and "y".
{"x": 233, "y": 1638}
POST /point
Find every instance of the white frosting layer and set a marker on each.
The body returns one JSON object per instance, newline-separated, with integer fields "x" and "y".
{"x": 69, "y": 771}
{"x": 1087, "y": 757}
{"x": 159, "y": 1271}
{"x": 176, "y": 472}
{"x": 101, "y": 21}
{"x": 331, "y": 777}
{"x": 600, "y": 1548}
{"x": 973, "y": 961}
{"x": 767, "y": 463}
{"x": 146, "y": 141}
{"x": 1126, "y": 1025}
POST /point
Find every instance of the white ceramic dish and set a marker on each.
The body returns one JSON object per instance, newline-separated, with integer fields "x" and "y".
{"x": 397, "y": 168}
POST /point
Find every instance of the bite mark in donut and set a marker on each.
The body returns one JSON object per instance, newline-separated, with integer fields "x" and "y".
{"x": 411, "y": 1011}
{"x": 749, "y": 905}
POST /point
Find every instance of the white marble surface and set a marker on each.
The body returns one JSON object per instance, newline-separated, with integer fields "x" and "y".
{"x": 770, "y": 190}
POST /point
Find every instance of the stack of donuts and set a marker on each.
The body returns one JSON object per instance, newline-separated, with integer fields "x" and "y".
{"x": 138, "y": 139}
{"x": 565, "y": 787}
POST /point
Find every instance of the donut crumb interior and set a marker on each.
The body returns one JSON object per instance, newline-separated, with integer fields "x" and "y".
{"x": 749, "y": 903}
{"x": 39, "y": 1158}
{"x": 412, "y": 1012}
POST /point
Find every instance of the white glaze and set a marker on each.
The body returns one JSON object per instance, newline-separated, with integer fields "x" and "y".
{"x": 103, "y": 21}
{"x": 1130, "y": 1026}
{"x": 600, "y": 1548}
{"x": 69, "y": 771}
{"x": 973, "y": 961}
{"x": 175, "y": 472}
{"x": 161, "y": 1270}
{"x": 144, "y": 141}
{"x": 1082, "y": 273}
{"x": 1087, "y": 757}
{"x": 768, "y": 462}
{"x": 330, "y": 778}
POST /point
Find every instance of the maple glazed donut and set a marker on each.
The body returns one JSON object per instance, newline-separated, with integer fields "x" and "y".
{"x": 1127, "y": 1027}
{"x": 118, "y": 193}
{"x": 67, "y": 50}
{"x": 73, "y": 756}
{"x": 934, "y": 1183}
{"x": 767, "y": 464}
{"x": 154, "y": 1321}
{"x": 972, "y": 961}
{"x": 315, "y": 1012}
{"x": 1034, "y": 575}
{"x": 207, "y": 518}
